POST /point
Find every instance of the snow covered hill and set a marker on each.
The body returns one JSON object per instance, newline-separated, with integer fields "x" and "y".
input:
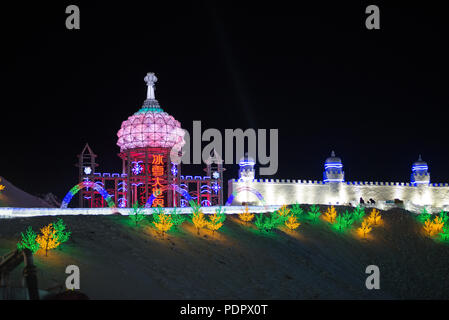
{"x": 120, "y": 261}
{"x": 12, "y": 196}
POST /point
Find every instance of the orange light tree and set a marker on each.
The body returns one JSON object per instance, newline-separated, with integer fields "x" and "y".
{"x": 48, "y": 239}
{"x": 216, "y": 220}
{"x": 330, "y": 215}
{"x": 279, "y": 217}
{"x": 428, "y": 227}
{"x": 246, "y": 216}
{"x": 292, "y": 222}
{"x": 161, "y": 220}
{"x": 198, "y": 217}
{"x": 365, "y": 228}
{"x": 438, "y": 224}
{"x": 435, "y": 226}
{"x": 375, "y": 218}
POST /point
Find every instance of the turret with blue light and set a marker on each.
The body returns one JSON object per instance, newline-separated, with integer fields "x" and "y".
{"x": 420, "y": 173}
{"x": 246, "y": 171}
{"x": 333, "y": 170}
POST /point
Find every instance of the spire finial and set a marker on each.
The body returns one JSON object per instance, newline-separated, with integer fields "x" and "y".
{"x": 150, "y": 79}
{"x": 419, "y": 158}
{"x": 332, "y": 153}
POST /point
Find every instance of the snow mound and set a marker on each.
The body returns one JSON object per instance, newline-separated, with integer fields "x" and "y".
{"x": 12, "y": 196}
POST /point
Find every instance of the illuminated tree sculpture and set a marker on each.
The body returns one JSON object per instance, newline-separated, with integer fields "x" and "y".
{"x": 297, "y": 210}
{"x": 216, "y": 220}
{"x": 348, "y": 218}
{"x": 343, "y": 221}
{"x": 428, "y": 227}
{"x": 444, "y": 216}
{"x": 266, "y": 223}
{"x": 136, "y": 213}
{"x": 279, "y": 217}
{"x": 28, "y": 241}
{"x": 284, "y": 211}
{"x": 48, "y": 239}
{"x": 246, "y": 216}
{"x": 375, "y": 218}
{"x": 198, "y": 219}
{"x": 358, "y": 213}
{"x": 437, "y": 225}
{"x": 292, "y": 222}
{"x": 424, "y": 215}
{"x": 330, "y": 214}
{"x": 61, "y": 233}
{"x": 314, "y": 212}
{"x": 161, "y": 220}
{"x": 445, "y": 234}
{"x": 434, "y": 227}
{"x": 365, "y": 228}
{"x": 164, "y": 224}
{"x": 177, "y": 218}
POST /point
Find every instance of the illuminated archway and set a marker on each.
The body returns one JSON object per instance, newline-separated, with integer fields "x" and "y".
{"x": 241, "y": 189}
{"x": 87, "y": 184}
{"x": 175, "y": 187}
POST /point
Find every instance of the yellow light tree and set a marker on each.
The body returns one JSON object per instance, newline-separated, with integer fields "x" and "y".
{"x": 284, "y": 211}
{"x": 47, "y": 239}
{"x": 292, "y": 223}
{"x": 215, "y": 223}
{"x": 365, "y": 228}
{"x": 428, "y": 227}
{"x": 330, "y": 215}
{"x": 198, "y": 220}
{"x": 437, "y": 225}
{"x": 164, "y": 223}
{"x": 375, "y": 218}
{"x": 246, "y": 216}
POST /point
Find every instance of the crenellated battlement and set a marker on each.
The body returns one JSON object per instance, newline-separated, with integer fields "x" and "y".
{"x": 333, "y": 189}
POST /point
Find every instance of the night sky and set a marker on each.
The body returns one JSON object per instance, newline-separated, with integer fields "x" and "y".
{"x": 376, "y": 97}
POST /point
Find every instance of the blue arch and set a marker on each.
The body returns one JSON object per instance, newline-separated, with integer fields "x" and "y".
{"x": 175, "y": 187}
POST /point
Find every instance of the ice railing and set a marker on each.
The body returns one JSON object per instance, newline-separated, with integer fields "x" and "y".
{"x": 39, "y": 212}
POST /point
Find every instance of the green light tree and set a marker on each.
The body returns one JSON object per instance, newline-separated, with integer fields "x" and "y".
{"x": 444, "y": 217}
{"x": 136, "y": 214}
{"x": 61, "y": 233}
{"x": 297, "y": 211}
{"x": 177, "y": 218}
{"x": 445, "y": 234}
{"x": 343, "y": 221}
{"x": 28, "y": 241}
{"x": 358, "y": 213}
{"x": 424, "y": 215}
{"x": 314, "y": 212}
{"x": 267, "y": 223}
{"x": 216, "y": 220}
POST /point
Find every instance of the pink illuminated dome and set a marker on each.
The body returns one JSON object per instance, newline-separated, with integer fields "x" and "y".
{"x": 150, "y": 126}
